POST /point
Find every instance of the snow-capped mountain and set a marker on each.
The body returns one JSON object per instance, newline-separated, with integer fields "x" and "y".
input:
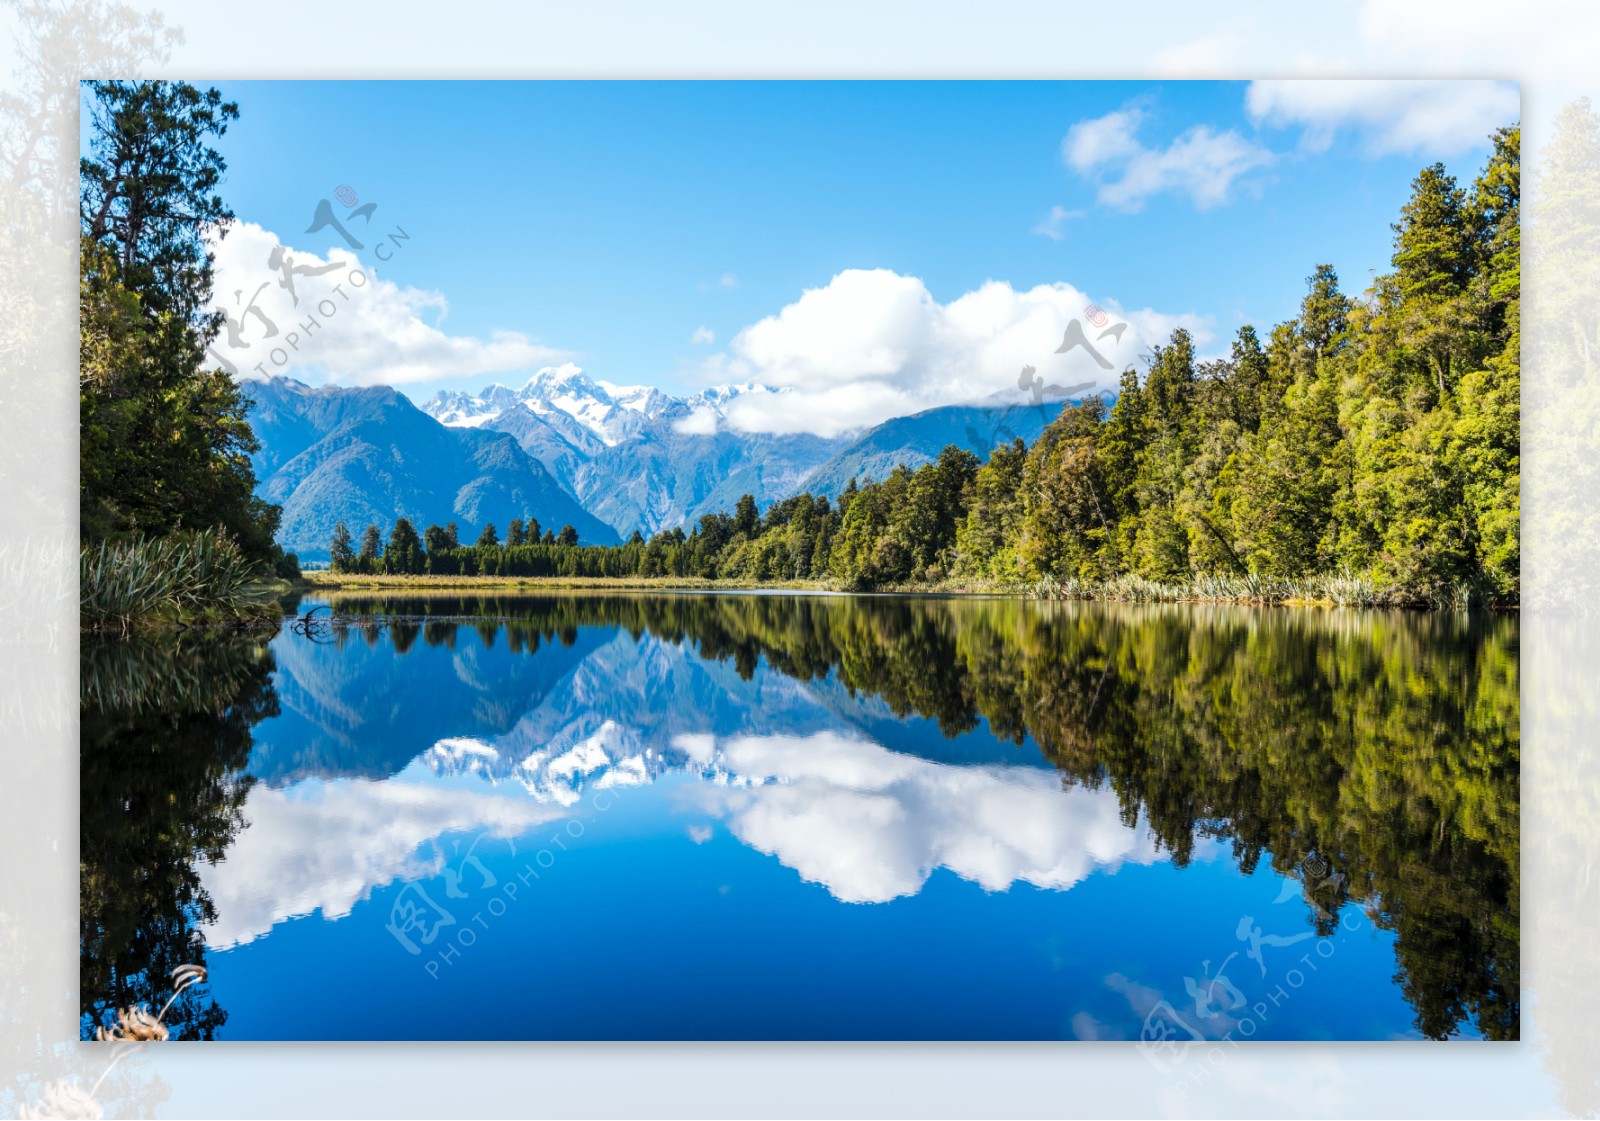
{"x": 638, "y": 458}
{"x": 634, "y": 456}
{"x": 608, "y": 412}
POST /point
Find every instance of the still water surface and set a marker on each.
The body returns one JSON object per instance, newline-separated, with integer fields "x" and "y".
{"x": 647, "y": 816}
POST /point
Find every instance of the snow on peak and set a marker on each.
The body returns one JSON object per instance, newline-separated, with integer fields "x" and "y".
{"x": 613, "y": 413}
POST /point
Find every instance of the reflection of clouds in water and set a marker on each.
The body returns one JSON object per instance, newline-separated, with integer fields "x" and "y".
{"x": 324, "y": 846}
{"x": 868, "y": 823}
{"x": 871, "y": 825}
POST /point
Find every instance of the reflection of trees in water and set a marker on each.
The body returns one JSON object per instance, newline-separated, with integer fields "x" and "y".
{"x": 1384, "y": 744}
{"x": 166, "y": 733}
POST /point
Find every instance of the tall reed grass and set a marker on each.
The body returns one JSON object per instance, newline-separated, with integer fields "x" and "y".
{"x": 1336, "y": 589}
{"x": 184, "y": 579}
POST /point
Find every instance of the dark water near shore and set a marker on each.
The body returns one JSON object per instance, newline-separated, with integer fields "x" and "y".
{"x": 662, "y": 816}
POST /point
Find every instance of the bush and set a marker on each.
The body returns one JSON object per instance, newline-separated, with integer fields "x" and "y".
{"x": 183, "y": 578}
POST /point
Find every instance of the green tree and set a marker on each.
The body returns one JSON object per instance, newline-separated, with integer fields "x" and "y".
{"x": 516, "y": 533}
{"x": 403, "y": 553}
{"x": 987, "y": 539}
{"x": 1323, "y": 313}
{"x": 165, "y": 441}
{"x": 925, "y": 524}
{"x": 1160, "y": 543}
{"x": 567, "y": 536}
{"x": 343, "y": 556}
{"x": 371, "y": 541}
{"x": 746, "y": 518}
{"x": 1283, "y": 491}
{"x": 489, "y": 538}
{"x": 1066, "y": 531}
{"x": 1433, "y": 262}
{"x": 148, "y": 190}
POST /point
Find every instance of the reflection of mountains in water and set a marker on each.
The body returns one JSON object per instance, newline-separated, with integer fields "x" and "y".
{"x": 604, "y": 704}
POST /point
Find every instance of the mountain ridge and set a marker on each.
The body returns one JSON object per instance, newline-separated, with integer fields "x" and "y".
{"x": 567, "y": 449}
{"x": 369, "y": 456}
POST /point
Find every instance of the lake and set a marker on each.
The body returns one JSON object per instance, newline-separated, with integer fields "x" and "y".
{"x": 731, "y": 816}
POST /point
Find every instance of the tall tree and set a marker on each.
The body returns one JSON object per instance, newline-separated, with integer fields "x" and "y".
{"x": 1433, "y": 260}
{"x": 403, "y": 553}
{"x": 371, "y": 541}
{"x": 342, "y": 555}
{"x": 746, "y": 518}
{"x": 1323, "y": 312}
{"x": 165, "y": 443}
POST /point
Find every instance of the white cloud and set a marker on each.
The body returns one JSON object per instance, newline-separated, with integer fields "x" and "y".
{"x": 1052, "y": 226}
{"x": 1092, "y": 143}
{"x": 702, "y": 421}
{"x": 1202, "y": 163}
{"x": 1406, "y": 117}
{"x": 871, "y": 825}
{"x": 325, "y": 845}
{"x": 703, "y": 336}
{"x": 726, "y": 280}
{"x": 873, "y": 344}
{"x": 346, "y": 324}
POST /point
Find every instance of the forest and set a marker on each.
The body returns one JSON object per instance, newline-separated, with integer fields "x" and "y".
{"x": 1366, "y": 450}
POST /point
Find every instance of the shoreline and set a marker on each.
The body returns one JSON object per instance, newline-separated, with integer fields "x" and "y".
{"x": 1121, "y": 591}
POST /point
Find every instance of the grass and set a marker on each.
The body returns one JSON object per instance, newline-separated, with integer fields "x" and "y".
{"x": 323, "y": 579}
{"x": 194, "y": 578}
{"x": 1327, "y": 590}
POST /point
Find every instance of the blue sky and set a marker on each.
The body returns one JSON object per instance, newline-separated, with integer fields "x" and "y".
{"x": 617, "y": 223}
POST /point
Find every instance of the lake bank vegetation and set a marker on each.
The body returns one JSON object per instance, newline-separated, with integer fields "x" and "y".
{"x": 182, "y": 579}
{"x": 172, "y": 530}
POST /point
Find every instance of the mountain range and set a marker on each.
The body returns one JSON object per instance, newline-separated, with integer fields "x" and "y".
{"x": 565, "y": 449}
{"x": 370, "y": 456}
{"x": 635, "y": 457}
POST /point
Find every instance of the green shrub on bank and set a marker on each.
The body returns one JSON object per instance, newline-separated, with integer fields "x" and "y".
{"x": 188, "y": 578}
{"x": 1341, "y": 590}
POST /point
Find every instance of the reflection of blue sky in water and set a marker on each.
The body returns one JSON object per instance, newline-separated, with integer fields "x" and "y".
{"x": 775, "y": 858}
{"x": 867, "y": 823}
